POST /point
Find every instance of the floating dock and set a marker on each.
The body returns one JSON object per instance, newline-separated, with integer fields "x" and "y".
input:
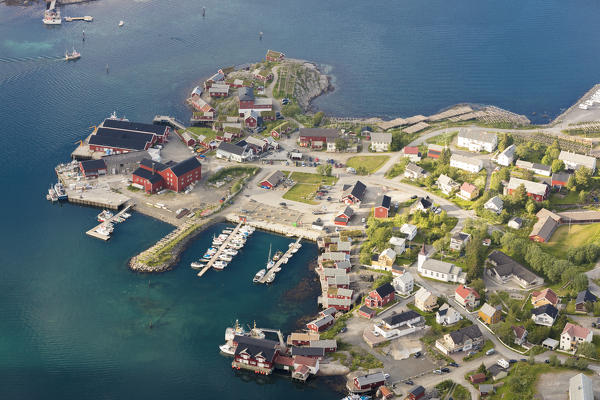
{"x": 288, "y": 255}
{"x": 92, "y": 232}
{"x": 215, "y": 257}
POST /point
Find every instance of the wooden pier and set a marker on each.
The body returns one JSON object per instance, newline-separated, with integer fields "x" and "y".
{"x": 92, "y": 232}
{"x": 165, "y": 119}
{"x": 288, "y": 255}
{"x": 215, "y": 257}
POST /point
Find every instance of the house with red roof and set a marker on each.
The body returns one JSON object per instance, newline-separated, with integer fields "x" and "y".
{"x": 520, "y": 334}
{"x": 546, "y": 296}
{"x": 468, "y": 191}
{"x": 466, "y": 297}
{"x": 412, "y": 152}
{"x": 572, "y": 335}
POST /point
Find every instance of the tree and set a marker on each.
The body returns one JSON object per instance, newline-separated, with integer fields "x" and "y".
{"x": 362, "y": 170}
{"x": 531, "y": 207}
{"x": 554, "y": 361}
{"x": 582, "y": 196}
{"x": 341, "y": 144}
{"x": 580, "y": 282}
{"x": 583, "y": 177}
{"x": 318, "y": 118}
{"x": 324, "y": 169}
{"x": 558, "y": 165}
{"x": 596, "y": 309}
{"x": 506, "y": 140}
{"x": 445, "y": 156}
{"x": 571, "y": 183}
{"x": 519, "y": 195}
{"x": 479, "y": 286}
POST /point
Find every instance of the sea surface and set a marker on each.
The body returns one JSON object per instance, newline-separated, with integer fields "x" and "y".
{"x": 74, "y": 321}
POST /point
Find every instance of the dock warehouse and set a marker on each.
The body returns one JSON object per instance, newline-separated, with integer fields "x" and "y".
{"x": 92, "y": 168}
{"x": 118, "y": 141}
{"x": 160, "y": 131}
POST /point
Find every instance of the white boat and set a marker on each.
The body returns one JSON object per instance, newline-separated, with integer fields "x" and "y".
{"x": 277, "y": 255}
{"x": 121, "y": 23}
{"x": 271, "y": 278}
{"x": 227, "y": 348}
{"x": 52, "y": 17}
{"x": 125, "y": 215}
{"x": 197, "y": 265}
{"x": 270, "y": 264}
{"x": 219, "y": 264}
{"x": 237, "y": 329}
{"x": 103, "y": 230}
{"x": 217, "y": 242}
{"x": 211, "y": 250}
{"x": 225, "y": 257}
{"x": 74, "y": 55}
{"x": 285, "y": 260}
{"x": 259, "y": 275}
{"x": 104, "y": 215}
{"x": 231, "y": 252}
{"x": 227, "y": 231}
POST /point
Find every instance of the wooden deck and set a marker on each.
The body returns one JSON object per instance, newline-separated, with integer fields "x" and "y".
{"x": 223, "y": 247}
{"x": 92, "y": 232}
{"x": 279, "y": 263}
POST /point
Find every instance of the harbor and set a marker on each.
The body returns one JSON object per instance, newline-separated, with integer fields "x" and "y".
{"x": 103, "y": 230}
{"x": 274, "y": 266}
{"x": 216, "y": 259}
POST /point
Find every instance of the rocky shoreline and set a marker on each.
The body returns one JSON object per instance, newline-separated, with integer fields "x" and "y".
{"x": 314, "y": 85}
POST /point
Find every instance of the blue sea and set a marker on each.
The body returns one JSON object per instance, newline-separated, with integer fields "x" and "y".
{"x": 74, "y": 321}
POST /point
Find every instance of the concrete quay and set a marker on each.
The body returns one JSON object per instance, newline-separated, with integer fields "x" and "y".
{"x": 287, "y": 230}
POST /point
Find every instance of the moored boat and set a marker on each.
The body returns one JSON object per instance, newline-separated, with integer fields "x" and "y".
{"x": 259, "y": 275}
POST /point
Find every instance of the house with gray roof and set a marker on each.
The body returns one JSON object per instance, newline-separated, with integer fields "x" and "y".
{"x": 495, "y": 205}
{"x": 574, "y": 161}
{"x": 504, "y": 269}
{"x": 381, "y": 141}
{"x": 438, "y": 270}
{"x": 413, "y": 171}
{"x": 464, "y": 339}
{"x": 507, "y": 156}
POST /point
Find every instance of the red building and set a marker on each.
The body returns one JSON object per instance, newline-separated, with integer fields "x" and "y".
{"x": 187, "y": 139}
{"x": 416, "y": 393}
{"x": 354, "y": 194}
{"x": 317, "y": 137}
{"x": 434, "y": 151}
{"x": 380, "y": 296}
{"x": 321, "y": 324}
{"x": 272, "y": 180}
{"x": 257, "y": 355}
{"x": 154, "y": 176}
{"x": 92, "y": 168}
{"x": 369, "y": 382}
{"x": 382, "y": 206}
{"x": 274, "y": 56}
{"x": 246, "y": 97}
{"x": 560, "y": 179}
{"x": 535, "y": 190}
{"x": 411, "y": 151}
{"x": 366, "y": 312}
{"x": 251, "y": 119}
{"x": 344, "y": 217}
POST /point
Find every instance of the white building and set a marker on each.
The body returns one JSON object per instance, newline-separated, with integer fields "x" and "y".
{"x": 507, "y": 157}
{"x": 409, "y": 230}
{"x": 468, "y": 164}
{"x": 575, "y": 161}
{"x": 447, "y": 185}
{"x": 399, "y": 244}
{"x": 381, "y": 141}
{"x": 478, "y": 141}
{"x": 439, "y": 270}
{"x": 581, "y": 388}
{"x": 447, "y": 315}
{"x": 397, "y": 325}
{"x": 233, "y": 152}
{"x": 495, "y": 204}
{"x": 413, "y": 171}
{"x": 572, "y": 335}
{"x": 404, "y": 283}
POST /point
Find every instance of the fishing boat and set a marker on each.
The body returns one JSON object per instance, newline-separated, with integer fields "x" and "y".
{"x": 60, "y": 191}
{"x": 74, "y": 55}
{"x": 219, "y": 264}
{"x": 237, "y": 329}
{"x": 104, "y": 215}
{"x": 225, "y": 257}
{"x": 227, "y": 348}
{"x": 103, "y": 230}
{"x": 217, "y": 242}
{"x": 211, "y": 250}
{"x": 231, "y": 252}
{"x": 259, "y": 275}
{"x": 277, "y": 255}
{"x": 353, "y": 396}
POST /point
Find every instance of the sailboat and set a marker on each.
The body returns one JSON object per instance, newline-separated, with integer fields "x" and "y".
{"x": 270, "y": 263}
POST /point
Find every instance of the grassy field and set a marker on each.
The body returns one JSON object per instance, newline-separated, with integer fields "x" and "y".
{"x": 306, "y": 186}
{"x": 443, "y": 139}
{"x": 370, "y": 163}
{"x": 198, "y": 130}
{"x": 563, "y": 239}
{"x": 572, "y": 197}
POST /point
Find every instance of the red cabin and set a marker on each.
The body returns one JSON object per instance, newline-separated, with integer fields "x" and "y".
{"x": 380, "y": 296}
{"x": 382, "y": 207}
{"x": 321, "y": 324}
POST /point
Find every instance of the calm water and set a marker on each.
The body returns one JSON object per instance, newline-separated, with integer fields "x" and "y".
{"x": 74, "y": 320}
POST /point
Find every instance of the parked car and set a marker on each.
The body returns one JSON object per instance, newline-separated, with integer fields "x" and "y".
{"x": 453, "y": 364}
{"x": 409, "y": 382}
{"x": 414, "y": 196}
{"x": 490, "y": 352}
{"x": 547, "y": 361}
{"x": 344, "y": 329}
{"x": 363, "y": 220}
{"x": 283, "y": 204}
{"x": 418, "y": 354}
{"x": 437, "y": 371}
{"x": 386, "y": 376}
{"x": 445, "y": 369}
{"x": 512, "y": 361}
{"x": 523, "y": 360}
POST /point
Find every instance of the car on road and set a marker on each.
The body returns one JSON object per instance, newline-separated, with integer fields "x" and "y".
{"x": 282, "y": 204}
{"x": 523, "y": 360}
{"x": 363, "y": 220}
{"x": 409, "y": 382}
{"x": 414, "y": 196}
{"x": 437, "y": 371}
{"x": 512, "y": 361}
{"x": 445, "y": 369}
{"x": 386, "y": 376}
{"x": 547, "y": 361}
{"x": 418, "y": 354}
{"x": 453, "y": 364}
{"x": 490, "y": 352}
{"x": 344, "y": 329}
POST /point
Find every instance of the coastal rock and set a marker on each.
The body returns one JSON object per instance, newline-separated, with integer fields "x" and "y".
{"x": 310, "y": 84}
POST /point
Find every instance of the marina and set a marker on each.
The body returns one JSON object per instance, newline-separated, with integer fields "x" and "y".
{"x": 219, "y": 257}
{"x": 103, "y": 230}
{"x": 273, "y": 269}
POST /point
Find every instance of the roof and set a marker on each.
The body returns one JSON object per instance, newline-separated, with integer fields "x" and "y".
{"x": 319, "y": 132}
{"x": 322, "y": 321}
{"x": 255, "y": 346}
{"x": 275, "y": 54}
{"x": 494, "y": 202}
{"x": 255, "y": 141}
{"x": 541, "y": 167}
{"x": 548, "y": 309}
{"x": 389, "y": 253}
{"x": 304, "y": 360}
{"x": 160, "y": 130}
{"x": 550, "y": 342}
{"x": 516, "y": 220}
{"x": 357, "y": 190}
{"x": 414, "y": 168}
{"x": 303, "y": 336}
{"x": 468, "y": 187}
{"x": 547, "y": 294}
{"x": 418, "y": 391}
{"x": 576, "y": 331}
{"x": 274, "y": 177}
{"x": 383, "y": 201}
{"x": 343, "y": 264}
{"x": 231, "y": 148}
{"x": 366, "y": 310}
{"x": 580, "y": 215}
{"x": 148, "y": 175}
{"x": 435, "y": 147}
{"x": 381, "y": 137}
{"x": 120, "y": 139}
{"x": 466, "y": 160}
{"x": 461, "y": 236}
{"x": 477, "y": 377}
{"x": 425, "y": 203}
{"x": 441, "y": 266}
{"x": 283, "y": 360}
{"x": 385, "y": 290}
{"x": 584, "y": 296}
{"x": 463, "y": 291}
{"x": 488, "y": 310}
{"x": 219, "y": 88}
{"x": 396, "y": 319}
{"x": 486, "y": 388}
{"x": 246, "y": 93}
{"x": 509, "y": 152}
{"x": 505, "y": 266}
{"x": 422, "y": 294}
{"x": 519, "y": 331}
{"x": 561, "y": 177}
{"x": 158, "y": 166}
{"x": 93, "y": 165}
{"x": 325, "y": 343}
{"x": 348, "y": 212}
{"x": 308, "y": 351}
{"x": 546, "y": 224}
{"x": 371, "y": 378}
{"x": 185, "y": 166}
{"x": 397, "y": 241}
{"x": 407, "y": 228}
{"x": 445, "y": 180}
{"x": 581, "y": 388}
{"x": 579, "y": 159}
{"x": 530, "y": 187}
{"x": 411, "y": 150}
{"x": 406, "y": 277}
{"x": 485, "y": 137}
{"x": 469, "y": 332}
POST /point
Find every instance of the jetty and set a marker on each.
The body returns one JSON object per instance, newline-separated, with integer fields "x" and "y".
{"x": 172, "y": 121}
{"x": 87, "y": 18}
{"x": 273, "y": 271}
{"x": 93, "y": 233}
{"x": 215, "y": 256}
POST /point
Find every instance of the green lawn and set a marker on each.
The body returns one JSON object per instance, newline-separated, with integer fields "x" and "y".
{"x": 487, "y": 346}
{"x": 578, "y": 235}
{"x": 443, "y": 139}
{"x": 306, "y": 177}
{"x": 572, "y": 197}
{"x": 302, "y": 192}
{"x": 198, "y": 130}
{"x": 370, "y": 163}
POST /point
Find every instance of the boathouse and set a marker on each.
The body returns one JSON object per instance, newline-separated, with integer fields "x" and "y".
{"x": 321, "y": 324}
{"x": 368, "y": 382}
{"x": 92, "y": 168}
{"x": 272, "y": 180}
{"x": 257, "y": 355}
{"x": 161, "y": 132}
